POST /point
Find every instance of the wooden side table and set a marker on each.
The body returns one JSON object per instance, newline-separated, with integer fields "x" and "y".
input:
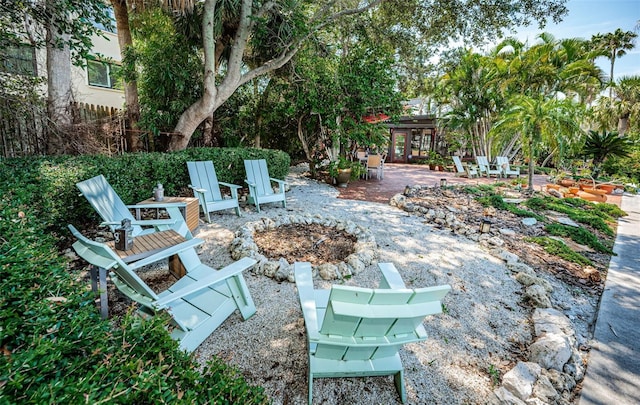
{"x": 146, "y": 245}
{"x": 191, "y": 213}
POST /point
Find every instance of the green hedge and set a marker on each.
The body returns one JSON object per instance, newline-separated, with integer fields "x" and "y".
{"x": 56, "y": 348}
{"x": 133, "y": 176}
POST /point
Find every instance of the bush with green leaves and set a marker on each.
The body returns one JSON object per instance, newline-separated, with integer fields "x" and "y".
{"x": 56, "y": 348}
{"x": 132, "y": 176}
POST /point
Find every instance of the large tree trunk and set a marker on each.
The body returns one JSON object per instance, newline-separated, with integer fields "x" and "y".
{"x": 132, "y": 103}
{"x": 59, "y": 88}
{"x": 623, "y": 124}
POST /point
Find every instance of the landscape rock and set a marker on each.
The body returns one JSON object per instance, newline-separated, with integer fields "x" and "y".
{"x": 521, "y": 379}
{"x": 538, "y": 297}
{"x": 549, "y": 320}
{"x": 551, "y": 351}
{"x": 567, "y": 221}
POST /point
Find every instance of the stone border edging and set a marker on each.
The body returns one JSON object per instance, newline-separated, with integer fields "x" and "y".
{"x": 365, "y": 249}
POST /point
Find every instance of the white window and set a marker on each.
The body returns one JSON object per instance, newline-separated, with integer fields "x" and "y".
{"x": 104, "y": 74}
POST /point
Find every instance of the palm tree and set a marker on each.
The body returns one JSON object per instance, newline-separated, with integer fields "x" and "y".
{"x": 627, "y": 102}
{"x": 614, "y": 45}
{"x": 602, "y": 145}
{"x": 540, "y": 120}
{"x": 472, "y": 99}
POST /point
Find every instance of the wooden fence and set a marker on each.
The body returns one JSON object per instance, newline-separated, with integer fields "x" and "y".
{"x": 25, "y": 129}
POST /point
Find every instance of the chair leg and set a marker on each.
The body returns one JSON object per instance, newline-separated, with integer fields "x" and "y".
{"x": 99, "y": 284}
{"x": 310, "y": 386}
{"x": 398, "y": 378}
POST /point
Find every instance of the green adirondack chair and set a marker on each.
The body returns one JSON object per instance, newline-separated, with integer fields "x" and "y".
{"x": 112, "y": 210}
{"x": 260, "y": 190}
{"x": 206, "y": 187}
{"x": 356, "y": 332}
{"x": 197, "y": 303}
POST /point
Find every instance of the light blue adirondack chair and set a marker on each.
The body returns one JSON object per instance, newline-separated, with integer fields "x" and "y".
{"x": 503, "y": 163}
{"x": 356, "y": 332}
{"x": 260, "y": 190}
{"x": 206, "y": 187}
{"x": 112, "y": 210}
{"x": 485, "y": 167}
{"x": 197, "y": 303}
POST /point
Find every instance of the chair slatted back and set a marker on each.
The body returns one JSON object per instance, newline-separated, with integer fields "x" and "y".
{"x": 458, "y": 163}
{"x": 363, "y": 323}
{"x": 203, "y": 175}
{"x": 258, "y": 174}
{"x": 374, "y": 160}
{"x": 106, "y": 202}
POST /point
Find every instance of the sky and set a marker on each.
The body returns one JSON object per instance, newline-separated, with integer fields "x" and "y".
{"x": 588, "y": 17}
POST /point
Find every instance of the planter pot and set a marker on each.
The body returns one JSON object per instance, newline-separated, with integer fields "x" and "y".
{"x": 566, "y": 183}
{"x": 343, "y": 177}
{"x": 608, "y": 188}
{"x": 432, "y": 167}
{"x": 592, "y": 197}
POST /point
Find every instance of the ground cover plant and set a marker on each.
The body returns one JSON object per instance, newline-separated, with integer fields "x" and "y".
{"x": 56, "y": 348}
{"x": 554, "y": 247}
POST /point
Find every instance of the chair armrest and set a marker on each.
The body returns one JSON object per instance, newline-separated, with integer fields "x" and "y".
{"x": 197, "y": 189}
{"x": 277, "y": 180}
{"x": 230, "y": 185}
{"x": 158, "y": 205}
{"x": 170, "y": 251}
{"x": 145, "y": 222}
{"x": 304, "y": 283}
{"x": 391, "y": 278}
{"x": 216, "y": 277}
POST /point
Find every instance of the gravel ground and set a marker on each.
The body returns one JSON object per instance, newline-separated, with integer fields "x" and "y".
{"x": 485, "y": 326}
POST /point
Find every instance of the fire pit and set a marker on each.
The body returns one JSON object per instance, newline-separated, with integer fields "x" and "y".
{"x": 335, "y": 248}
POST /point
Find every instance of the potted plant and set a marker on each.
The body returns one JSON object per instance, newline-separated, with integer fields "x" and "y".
{"x": 343, "y": 170}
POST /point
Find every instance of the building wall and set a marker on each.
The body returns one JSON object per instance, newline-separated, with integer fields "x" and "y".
{"x": 85, "y": 93}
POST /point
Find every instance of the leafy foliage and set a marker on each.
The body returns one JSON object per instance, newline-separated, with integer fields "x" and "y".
{"x": 558, "y": 248}
{"x": 498, "y": 202}
{"x": 587, "y": 215}
{"x": 602, "y": 145}
{"x": 578, "y": 235}
{"x": 132, "y": 176}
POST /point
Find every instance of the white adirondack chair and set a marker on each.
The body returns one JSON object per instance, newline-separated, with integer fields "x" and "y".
{"x": 354, "y": 332}
{"x": 463, "y": 169}
{"x": 260, "y": 189}
{"x": 503, "y": 163}
{"x": 205, "y": 186}
{"x": 197, "y": 303}
{"x": 485, "y": 167}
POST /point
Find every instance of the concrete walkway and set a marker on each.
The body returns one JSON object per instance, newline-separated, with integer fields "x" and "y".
{"x": 613, "y": 370}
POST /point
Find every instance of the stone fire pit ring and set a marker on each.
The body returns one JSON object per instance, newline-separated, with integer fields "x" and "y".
{"x": 365, "y": 249}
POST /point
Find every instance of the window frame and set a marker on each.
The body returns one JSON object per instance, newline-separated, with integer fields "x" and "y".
{"x": 109, "y": 73}
{"x": 14, "y": 54}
